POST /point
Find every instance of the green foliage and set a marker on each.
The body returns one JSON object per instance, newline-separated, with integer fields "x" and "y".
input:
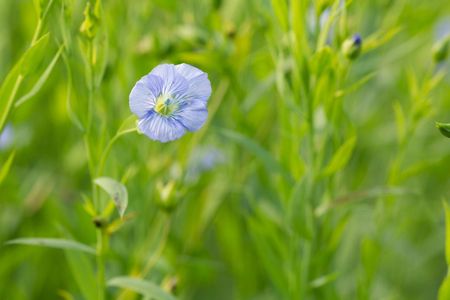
{"x": 145, "y": 288}
{"x": 116, "y": 190}
{"x": 315, "y": 176}
{"x": 6, "y": 165}
{"x": 444, "y": 290}
{"x": 340, "y": 157}
{"x": 53, "y": 243}
{"x": 27, "y": 64}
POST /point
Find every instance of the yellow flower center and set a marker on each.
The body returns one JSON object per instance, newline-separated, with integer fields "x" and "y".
{"x": 165, "y": 105}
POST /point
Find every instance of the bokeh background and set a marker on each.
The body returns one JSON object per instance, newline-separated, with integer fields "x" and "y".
{"x": 373, "y": 230}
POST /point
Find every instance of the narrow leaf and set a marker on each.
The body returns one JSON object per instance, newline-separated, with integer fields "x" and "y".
{"x": 42, "y": 79}
{"x": 323, "y": 280}
{"x": 4, "y": 170}
{"x": 444, "y": 290}
{"x": 83, "y": 272}
{"x": 281, "y": 12}
{"x": 10, "y": 86}
{"x": 341, "y": 157}
{"x": 262, "y": 154}
{"x": 53, "y": 243}
{"x": 447, "y": 233}
{"x": 400, "y": 121}
{"x": 145, "y": 288}
{"x": 116, "y": 190}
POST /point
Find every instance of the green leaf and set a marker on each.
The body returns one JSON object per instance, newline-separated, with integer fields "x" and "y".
{"x": 379, "y": 38}
{"x": 262, "y": 154}
{"x": 4, "y": 170}
{"x": 116, "y": 190}
{"x": 323, "y": 280}
{"x": 341, "y": 157}
{"x": 400, "y": 121}
{"x": 53, "y": 243}
{"x": 444, "y": 128}
{"x": 447, "y": 233}
{"x": 270, "y": 249}
{"x": 444, "y": 290}
{"x": 83, "y": 272}
{"x": 42, "y": 79}
{"x": 281, "y": 12}
{"x": 27, "y": 63}
{"x": 145, "y": 288}
{"x": 33, "y": 57}
{"x": 355, "y": 86}
{"x": 70, "y": 111}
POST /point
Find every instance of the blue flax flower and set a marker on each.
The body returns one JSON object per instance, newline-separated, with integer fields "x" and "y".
{"x": 171, "y": 100}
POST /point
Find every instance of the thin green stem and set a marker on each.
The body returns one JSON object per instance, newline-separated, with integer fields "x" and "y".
{"x": 37, "y": 32}
{"x": 108, "y": 148}
{"x": 102, "y": 244}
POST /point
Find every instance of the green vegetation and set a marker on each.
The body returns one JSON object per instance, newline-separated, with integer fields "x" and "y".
{"x": 319, "y": 174}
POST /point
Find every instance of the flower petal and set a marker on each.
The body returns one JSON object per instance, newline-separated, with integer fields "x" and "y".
{"x": 144, "y": 94}
{"x": 174, "y": 83}
{"x": 199, "y": 85}
{"x": 187, "y": 71}
{"x": 192, "y": 115}
{"x": 161, "y": 128}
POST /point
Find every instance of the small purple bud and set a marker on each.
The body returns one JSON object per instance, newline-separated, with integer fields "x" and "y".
{"x": 357, "y": 39}
{"x": 351, "y": 47}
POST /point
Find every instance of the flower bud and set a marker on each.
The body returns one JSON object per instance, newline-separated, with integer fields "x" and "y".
{"x": 89, "y": 26}
{"x": 166, "y": 199}
{"x": 440, "y": 49}
{"x": 351, "y": 47}
{"x": 444, "y": 128}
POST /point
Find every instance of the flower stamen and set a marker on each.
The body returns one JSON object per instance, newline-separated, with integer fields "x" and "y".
{"x": 165, "y": 105}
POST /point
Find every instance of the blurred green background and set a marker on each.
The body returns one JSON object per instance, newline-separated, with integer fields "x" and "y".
{"x": 374, "y": 229}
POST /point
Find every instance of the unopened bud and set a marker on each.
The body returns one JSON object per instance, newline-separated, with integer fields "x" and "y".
{"x": 444, "y": 128}
{"x": 351, "y": 47}
{"x": 166, "y": 199}
{"x": 440, "y": 49}
{"x": 91, "y": 19}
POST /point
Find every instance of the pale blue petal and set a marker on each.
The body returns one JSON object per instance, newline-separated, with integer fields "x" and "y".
{"x": 187, "y": 71}
{"x": 160, "y": 128}
{"x": 192, "y": 115}
{"x": 154, "y": 83}
{"x": 144, "y": 94}
{"x": 199, "y": 85}
{"x": 174, "y": 84}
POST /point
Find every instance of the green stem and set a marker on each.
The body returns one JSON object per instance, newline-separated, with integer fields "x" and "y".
{"x": 37, "y": 32}
{"x": 108, "y": 148}
{"x": 102, "y": 244}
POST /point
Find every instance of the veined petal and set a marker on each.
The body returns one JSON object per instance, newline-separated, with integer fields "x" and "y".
{"x": 192, "y": 115}
{"x": 160, "y": 128}
{"x": 174, "y": 84}
{"x": 187, "y": 71}
{"x": 144, "y": 94}
{"x": 200, "y": 88}
{"x": 199, "y": 85}
{"x": 154, "y": 83}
